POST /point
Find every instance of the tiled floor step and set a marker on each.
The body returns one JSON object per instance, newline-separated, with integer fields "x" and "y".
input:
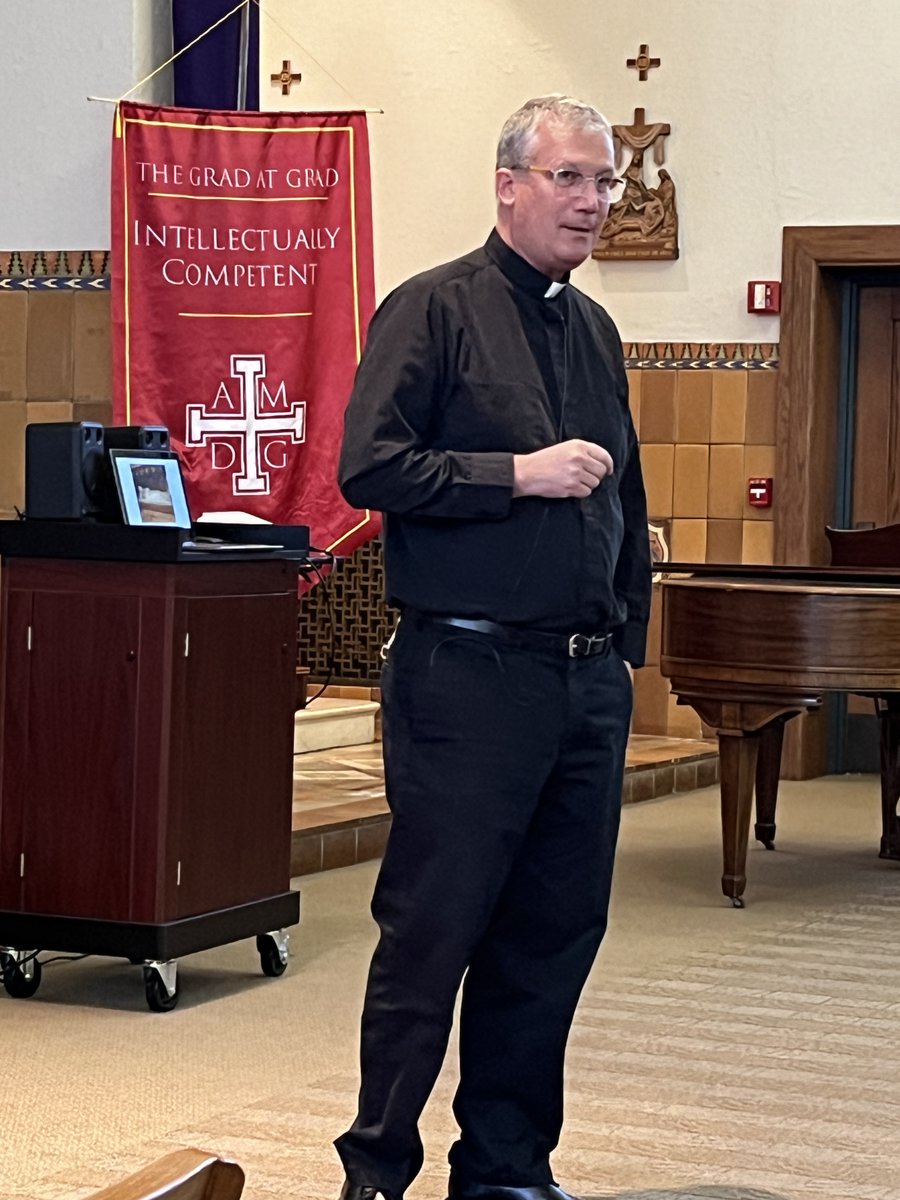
{"x": 657, "y": 766}
{"x": 340, "y": 815}
{"x": 330, "y": 722}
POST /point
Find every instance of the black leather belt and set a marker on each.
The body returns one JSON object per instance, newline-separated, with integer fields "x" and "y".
{"x": 575, "y": 645}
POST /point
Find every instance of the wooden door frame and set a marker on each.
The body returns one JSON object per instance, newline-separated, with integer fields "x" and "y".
{"x": 809, "y": 375}
{"x": 807, "y": 400}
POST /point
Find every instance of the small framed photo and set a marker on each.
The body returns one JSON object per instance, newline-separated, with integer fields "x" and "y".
{"x": 150, "y": 487}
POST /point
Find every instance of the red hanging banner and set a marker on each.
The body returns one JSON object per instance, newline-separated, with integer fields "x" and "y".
{"x": 242, "y": 286}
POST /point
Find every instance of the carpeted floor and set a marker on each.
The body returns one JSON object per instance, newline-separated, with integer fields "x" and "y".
{"x": 717, "y": 1055}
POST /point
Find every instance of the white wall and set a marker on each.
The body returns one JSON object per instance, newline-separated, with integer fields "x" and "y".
{"x": 54, "y": 182}
{"x": 781, "y": 113}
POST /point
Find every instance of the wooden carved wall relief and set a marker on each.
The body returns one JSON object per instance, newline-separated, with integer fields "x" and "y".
{"x": 644, "y": 223}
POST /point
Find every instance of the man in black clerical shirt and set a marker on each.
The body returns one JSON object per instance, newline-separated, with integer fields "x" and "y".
{"x": 489, "y": 422}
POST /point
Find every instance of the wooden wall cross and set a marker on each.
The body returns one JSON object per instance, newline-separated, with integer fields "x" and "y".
{"x": 285, "y": 77}
{"x": 633, "y": 135}
{"x": 644, "y": 222}
{"x": 643, "y": 63}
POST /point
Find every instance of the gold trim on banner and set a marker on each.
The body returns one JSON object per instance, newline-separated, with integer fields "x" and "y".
{"x": 241, "y": 128}
{"x": 354, "y": 108}
{"x": 366, "y": 519}
{"x": 239, "y": 199}
{"x": 246, "y": 316}
{"x": 353, "y": 245}
{"x": 127, "y": 284}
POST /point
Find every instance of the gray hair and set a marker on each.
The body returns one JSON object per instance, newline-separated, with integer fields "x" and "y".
{"x": 518, "y": 133}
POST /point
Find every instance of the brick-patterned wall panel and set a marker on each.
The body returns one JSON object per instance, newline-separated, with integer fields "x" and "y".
{"x": 362, "y": 620}
{"x": 55, "y": 351}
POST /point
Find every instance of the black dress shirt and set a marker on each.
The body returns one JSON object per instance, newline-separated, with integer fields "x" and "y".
{"x": 464, "y": 366}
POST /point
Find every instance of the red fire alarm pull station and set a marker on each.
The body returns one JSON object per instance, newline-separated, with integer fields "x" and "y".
{"x": 764, "y": 296}
{"x": 759, "y": 493}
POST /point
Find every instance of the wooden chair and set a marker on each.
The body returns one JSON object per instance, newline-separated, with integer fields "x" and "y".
{"x": 878, "y": 547}
{"x": 874, "y": 547}
{"x": 182, "y": 1175}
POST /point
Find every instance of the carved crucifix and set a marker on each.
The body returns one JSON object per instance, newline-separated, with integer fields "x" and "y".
{"x": 643, "y": 63}
{"x": 644, "y": 223}
{"x": 285, "y": 77}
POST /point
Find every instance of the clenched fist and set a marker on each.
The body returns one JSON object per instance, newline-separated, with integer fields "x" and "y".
{"x": 572, "y": 468}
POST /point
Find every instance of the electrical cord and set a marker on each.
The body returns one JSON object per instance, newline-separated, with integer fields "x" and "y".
{"x": 313, "y": 565}
{"x": 33, "y": 957}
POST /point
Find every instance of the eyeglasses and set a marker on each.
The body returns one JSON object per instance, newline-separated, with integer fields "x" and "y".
{"x": 566, "y": 179}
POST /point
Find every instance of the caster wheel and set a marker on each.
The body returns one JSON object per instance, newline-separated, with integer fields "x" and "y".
{"x": 269, "y": 959}
{"x": 737, "y": 902}
{"x": 17, "y": 984}
{"x": 158, "y": 998}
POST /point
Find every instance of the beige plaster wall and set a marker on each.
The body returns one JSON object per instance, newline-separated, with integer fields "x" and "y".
{"x": 781, "y": 113}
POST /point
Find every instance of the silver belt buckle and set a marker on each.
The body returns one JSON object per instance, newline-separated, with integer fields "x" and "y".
{"x": 582, "y": 644}
{"x": 577, "y": 646}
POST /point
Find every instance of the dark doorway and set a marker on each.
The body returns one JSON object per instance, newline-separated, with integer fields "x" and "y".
{"x": 867, "y": 468}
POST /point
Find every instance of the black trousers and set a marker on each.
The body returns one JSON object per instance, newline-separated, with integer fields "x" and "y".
{"x": 504, "y": 775}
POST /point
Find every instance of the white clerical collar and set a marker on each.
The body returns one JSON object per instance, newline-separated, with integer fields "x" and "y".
{"x": 553, "y": 290}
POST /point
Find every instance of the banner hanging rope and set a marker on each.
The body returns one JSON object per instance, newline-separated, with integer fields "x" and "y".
{"x": 215, "y": 25}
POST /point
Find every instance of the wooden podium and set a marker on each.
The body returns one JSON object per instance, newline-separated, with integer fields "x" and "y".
{"x": 146, "y": 734}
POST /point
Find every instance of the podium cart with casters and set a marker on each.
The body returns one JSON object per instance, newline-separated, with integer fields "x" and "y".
{"x": 146, "y": 739}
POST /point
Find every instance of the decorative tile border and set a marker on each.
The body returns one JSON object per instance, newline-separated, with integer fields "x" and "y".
{"x": 39, "y": 283}
{"x": 702, "y": 364}
{"x": 716, "y": 356}
{"x": 58, "y": 264}
{"x": 701, "y": 350}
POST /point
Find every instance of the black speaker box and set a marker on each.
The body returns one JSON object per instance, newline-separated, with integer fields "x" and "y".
{"x": 135, "y": 437}
{"x": 63, "y": 470}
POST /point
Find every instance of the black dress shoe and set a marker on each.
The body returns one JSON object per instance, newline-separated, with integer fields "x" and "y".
{"x": 493, "y": 1191}
{"x": 363, "y": 1191}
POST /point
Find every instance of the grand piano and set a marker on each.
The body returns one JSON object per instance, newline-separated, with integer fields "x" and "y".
{"x": 750, "y": 647}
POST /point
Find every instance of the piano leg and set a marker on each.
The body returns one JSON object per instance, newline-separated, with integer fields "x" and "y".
{"x": 768, "y": 769}
{"x": 888, "y": 709}
{"x": 738, "y": 753}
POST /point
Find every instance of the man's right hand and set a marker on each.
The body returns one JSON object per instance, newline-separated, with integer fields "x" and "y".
{"x": 572, "y": 468}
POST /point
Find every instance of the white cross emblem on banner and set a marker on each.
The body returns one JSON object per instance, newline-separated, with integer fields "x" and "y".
{"x": 257, "y": 428}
